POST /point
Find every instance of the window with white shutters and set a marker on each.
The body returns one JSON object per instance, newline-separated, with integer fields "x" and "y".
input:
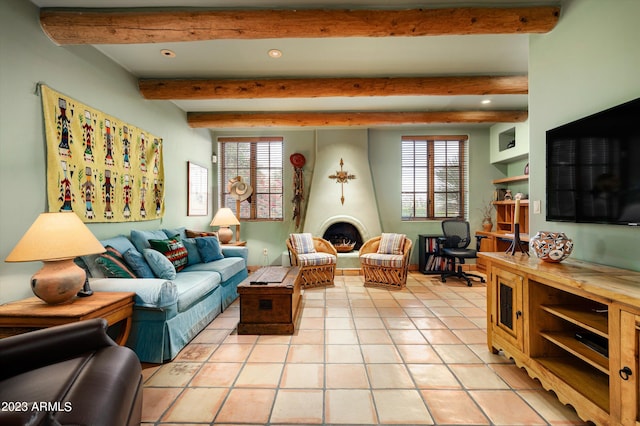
{"x": 258, "y": 161}
{"x": 434, "y": 175}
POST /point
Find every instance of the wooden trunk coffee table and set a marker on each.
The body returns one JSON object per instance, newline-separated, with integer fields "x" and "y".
{"x": 270, "y": 301}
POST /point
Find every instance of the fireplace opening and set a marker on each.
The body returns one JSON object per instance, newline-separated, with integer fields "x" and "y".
{"x": 343, "y": 233}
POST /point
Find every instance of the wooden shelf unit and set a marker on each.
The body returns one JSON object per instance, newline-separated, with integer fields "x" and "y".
{"x": 535, "y": 309}
{"x": 430, "y": 261}
{"x": 510, "y": 179}
{"x": 505, "y": 213}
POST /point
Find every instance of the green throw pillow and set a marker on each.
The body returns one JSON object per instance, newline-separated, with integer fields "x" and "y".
{"x": 113, "y": 264}
{"x": 173, "y": 249}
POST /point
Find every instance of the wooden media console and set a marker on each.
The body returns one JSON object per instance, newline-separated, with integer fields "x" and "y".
{"x": 574, "y": 326}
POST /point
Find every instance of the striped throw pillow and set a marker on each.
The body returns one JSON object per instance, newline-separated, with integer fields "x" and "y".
{"x": 113, "y": 264}
{"x": 391, "y": 243}
{"x": 303, "y": 243}
{"x": 173, "y": 249}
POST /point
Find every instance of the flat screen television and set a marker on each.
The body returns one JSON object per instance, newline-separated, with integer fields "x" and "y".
{"x": 593, "y": 168}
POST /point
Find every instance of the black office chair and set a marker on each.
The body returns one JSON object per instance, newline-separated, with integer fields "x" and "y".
{"x": 457, "y": 238}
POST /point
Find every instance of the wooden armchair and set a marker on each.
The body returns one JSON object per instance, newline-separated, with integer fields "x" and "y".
{"x": 316, "y": 257}
{"x": 385, "y": 261}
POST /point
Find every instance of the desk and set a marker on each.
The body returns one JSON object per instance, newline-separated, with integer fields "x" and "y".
{"x": 31, "y": 314}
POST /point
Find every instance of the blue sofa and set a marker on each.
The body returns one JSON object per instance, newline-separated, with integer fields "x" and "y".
{"x": 169, "y": 313}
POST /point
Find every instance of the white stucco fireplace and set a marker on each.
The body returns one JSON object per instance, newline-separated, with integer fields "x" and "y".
{"x": 324, "y": 206}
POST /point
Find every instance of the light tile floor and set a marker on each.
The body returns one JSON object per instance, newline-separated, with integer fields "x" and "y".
{"x": 359, "y": 356}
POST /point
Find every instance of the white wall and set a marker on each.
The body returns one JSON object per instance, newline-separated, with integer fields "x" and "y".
{"x": 588, "y": 63}
{"x": 82, "y": 72}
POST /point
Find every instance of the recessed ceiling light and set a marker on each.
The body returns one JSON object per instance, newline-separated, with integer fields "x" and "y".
{"x": 275, "y": 53}
{"x": 486, "y": 101}
{"x": 168, "y": 53}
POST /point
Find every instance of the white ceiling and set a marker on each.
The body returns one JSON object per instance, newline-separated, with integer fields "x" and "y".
{"x": 328, "y": 57}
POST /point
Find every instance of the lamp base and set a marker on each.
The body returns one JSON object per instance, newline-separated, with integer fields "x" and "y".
{"x": 58, "y": 281}
{"x": 225, "y": 234}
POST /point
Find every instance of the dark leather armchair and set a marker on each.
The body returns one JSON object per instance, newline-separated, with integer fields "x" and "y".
{"x": 72, "y": 374}
{"x": 454, "y": 246}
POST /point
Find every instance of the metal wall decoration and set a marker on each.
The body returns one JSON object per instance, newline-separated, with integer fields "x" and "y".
{"x": 342, "y": 177}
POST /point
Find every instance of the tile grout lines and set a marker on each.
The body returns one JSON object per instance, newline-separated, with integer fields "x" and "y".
{"x": 339, "y": 302}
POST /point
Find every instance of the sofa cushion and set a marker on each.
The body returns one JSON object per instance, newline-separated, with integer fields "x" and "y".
{"x": 138, "y": 264}
{"x": 192, "y": 286}
{"x": 120, "y": 243}
{"x": 303, "y": 243}
{"x": 227, "y": 267}
{"x": 150, "y": 292}
{"x": 160, "y": 265}
{"x": 114, "y": 265}
{"x": 181, "y": 232}
{"x": 173, "y": 249}
{"x": 391, "y": 243}
{"x": 209, "y": 249}
{"x": 193, "y": 256}
{"x": 140, "y": 239}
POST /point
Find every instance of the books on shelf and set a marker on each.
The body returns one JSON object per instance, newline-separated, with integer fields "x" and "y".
{"x": 431, "y": 262}
{"x": 436, "y": 263}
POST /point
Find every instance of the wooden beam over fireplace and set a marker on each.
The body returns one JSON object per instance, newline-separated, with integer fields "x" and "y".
{"x": 320, "y": 119}
{"x": 166, "y": 89}
{"x": 149, "y": 25}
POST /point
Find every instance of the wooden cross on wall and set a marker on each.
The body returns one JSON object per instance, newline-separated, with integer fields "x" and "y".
{"x": 342, "y": 177}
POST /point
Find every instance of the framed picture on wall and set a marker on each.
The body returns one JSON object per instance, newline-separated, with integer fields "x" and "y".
{"x": 197, "y": 190}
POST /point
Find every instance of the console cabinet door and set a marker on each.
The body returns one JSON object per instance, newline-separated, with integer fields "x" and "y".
{"x": 507, "y": 312}
{"x": 629, "y": 368}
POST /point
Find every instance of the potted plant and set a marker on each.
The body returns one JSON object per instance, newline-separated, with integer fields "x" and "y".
{"x": 487, "y": 211}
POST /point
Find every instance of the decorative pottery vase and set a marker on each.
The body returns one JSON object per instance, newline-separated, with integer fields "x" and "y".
{"x": 551, "y": 247}
{"x": 487, "y": 225}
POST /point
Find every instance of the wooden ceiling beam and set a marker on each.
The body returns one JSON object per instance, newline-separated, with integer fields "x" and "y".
{"x": 123, "y": 26}
{"x": 165, "y": 89}
{"x": 348, "y": 119}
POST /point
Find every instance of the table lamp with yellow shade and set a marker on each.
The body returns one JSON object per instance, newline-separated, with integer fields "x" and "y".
{"x": 224, "y": 218}
{"x": 56, "y": 239}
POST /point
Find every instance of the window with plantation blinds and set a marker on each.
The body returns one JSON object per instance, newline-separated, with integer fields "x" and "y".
{"x": 434, "y": 175}
{"x": 259, "y": 162}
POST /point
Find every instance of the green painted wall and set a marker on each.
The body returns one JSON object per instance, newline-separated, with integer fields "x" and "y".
{"x": 588, "y": 63}
{"x": 82, "y": 72}
{"x": 384, "y": 159}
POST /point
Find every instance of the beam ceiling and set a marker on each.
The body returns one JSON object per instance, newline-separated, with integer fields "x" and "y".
{"x": 327, "y": 87}
{"x": 150, "y": 25}
{"x": 348, "y": 119}
{"x": 121, "y": 26}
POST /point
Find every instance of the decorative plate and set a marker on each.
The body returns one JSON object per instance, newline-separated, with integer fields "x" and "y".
{"x": 297, "y": 160}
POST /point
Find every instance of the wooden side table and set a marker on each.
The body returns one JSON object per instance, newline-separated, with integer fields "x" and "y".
{"x": 31, "y": 314}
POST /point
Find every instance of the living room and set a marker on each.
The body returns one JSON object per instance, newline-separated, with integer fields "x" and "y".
{"x": 585, "y": 65}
